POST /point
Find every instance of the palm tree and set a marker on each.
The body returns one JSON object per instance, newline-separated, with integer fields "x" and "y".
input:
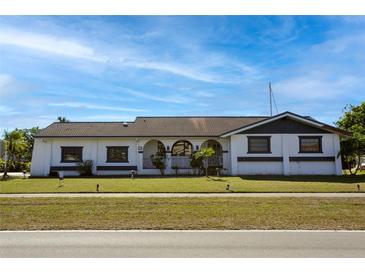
{"x": 62, "y": 119}
{"x": 15, "y": 144}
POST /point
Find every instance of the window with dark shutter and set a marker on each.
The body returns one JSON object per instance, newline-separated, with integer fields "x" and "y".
{"x": 310, "y": 144}
{"x": 117, "y": 154}
{"x": 259, "y": 144}
{"x": 71, "y": 154}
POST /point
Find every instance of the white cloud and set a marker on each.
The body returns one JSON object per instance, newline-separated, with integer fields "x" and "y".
{"x": 177, "y": 99}
{"x": 47, "y": 43}
{"x": 94, "y": 106}
{"x": 315, "y": 87}
{"x": 178, "y": 69}
{"x": 5, "y": 82}
{"x": 124, "y": 56}
{"x": 7, "y": 111}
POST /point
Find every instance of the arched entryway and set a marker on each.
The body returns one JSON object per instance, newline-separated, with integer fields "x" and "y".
{"x": 152, "y": 148}
{"x": 181, "y": 152}
{"x": 217, "y": 159}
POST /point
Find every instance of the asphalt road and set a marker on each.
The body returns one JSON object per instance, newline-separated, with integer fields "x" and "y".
{"x": 195, "y": 244}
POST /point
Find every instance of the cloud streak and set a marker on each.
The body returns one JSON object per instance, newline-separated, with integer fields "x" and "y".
{"x": 95, "y": 107}
{"x": 48, "y": 43}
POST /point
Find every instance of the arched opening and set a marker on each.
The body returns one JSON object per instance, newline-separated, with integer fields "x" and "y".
{"x": 217, "y": 159}
{"x": 153, "y": 147}
{"x": 182, "y": 148}
{"x": 181, "y": 153}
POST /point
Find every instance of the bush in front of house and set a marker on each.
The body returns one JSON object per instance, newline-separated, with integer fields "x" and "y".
{"x": 196, "y": 164}
{"x": 86, "y": 168}
{"x": 158, "y": 162}
{"x": 15, "y": 166}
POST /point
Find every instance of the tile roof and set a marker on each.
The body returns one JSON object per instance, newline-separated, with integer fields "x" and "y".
{"x": 151, "y": 127}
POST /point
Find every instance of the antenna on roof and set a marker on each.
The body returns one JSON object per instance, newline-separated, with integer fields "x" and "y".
{"x": 272, "y": 99}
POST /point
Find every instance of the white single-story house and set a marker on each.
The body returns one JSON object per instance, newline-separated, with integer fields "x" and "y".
{"x": 286, "y": 144}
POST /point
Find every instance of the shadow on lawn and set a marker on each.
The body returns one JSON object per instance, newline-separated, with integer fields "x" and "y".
{"x": 349, "y": 179}
{"x": 216, "y": 179}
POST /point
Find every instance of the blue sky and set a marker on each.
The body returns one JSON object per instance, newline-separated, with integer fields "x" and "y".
{"x": 116, "y": 68}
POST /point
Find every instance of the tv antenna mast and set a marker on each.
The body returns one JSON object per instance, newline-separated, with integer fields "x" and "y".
{"x": 272, "y": 99}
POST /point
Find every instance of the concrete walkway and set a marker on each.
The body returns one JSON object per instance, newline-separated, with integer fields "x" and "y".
{"x": 181, "y": 195}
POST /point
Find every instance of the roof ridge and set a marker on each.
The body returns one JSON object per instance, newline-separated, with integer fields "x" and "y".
{"x": 201, "y": 116}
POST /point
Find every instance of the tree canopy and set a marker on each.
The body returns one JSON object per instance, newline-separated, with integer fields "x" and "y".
{"x": 352, "y": 148}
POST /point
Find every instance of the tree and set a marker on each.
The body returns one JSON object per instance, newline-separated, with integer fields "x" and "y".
{"x": 353, "y": 120}
{"x": 28, "y": 134}
{"x": 352, "y": 148}
{"x": 62, "y": 119}
{"x": 15, "y": 144}
{"x": 205, "y": 154}
{"x": 351, "y": 153}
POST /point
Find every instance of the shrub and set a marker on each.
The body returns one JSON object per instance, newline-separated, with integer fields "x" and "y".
{"x": 196, "y": 163}
{"x": 159, "y": 162}
{"x": 15, "y": 166}
{"x": 86, "y": 168}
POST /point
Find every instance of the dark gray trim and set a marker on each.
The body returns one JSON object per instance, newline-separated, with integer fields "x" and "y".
{"x": 322, "y": 127}
{"x": 310, "y": 137}
{"x": 63, "y": 156}
{"x": 63, "y": 168}
{"x": 313, "y": 159}
{"x": 268, "y": 148}
{"x": 285, "y": 125}
{"x": 141, "y": 151}
{"x": 259, "y": 159}
{"x": 224, "y": 151}
{"x": 116, "y": 168}
{"x": 118, "y": 161}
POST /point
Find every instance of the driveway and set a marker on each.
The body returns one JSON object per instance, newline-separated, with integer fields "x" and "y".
{"x": 183, "y": 244}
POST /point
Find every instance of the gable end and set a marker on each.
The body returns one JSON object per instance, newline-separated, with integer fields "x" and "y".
{"x": 284, "y": 125}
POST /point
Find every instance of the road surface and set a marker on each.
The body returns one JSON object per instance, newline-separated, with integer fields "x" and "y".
{"x": 183, "y": 244}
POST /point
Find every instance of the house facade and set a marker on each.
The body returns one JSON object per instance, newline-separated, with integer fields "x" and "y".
{"x": 285, "y": 144}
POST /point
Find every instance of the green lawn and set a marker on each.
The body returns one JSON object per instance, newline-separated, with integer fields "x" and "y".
{"x": 188, "y": 184}
{"x": 181, "y": 213}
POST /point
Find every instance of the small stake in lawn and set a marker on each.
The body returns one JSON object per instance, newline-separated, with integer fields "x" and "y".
{"x": 60, "y": 178}
{"x": 97, "y": 188}
{"x": 133, "y": 173}
{"x": 24, "y": 173}
{"x": 358, "y": 187}
{"x": 227, "y": 188}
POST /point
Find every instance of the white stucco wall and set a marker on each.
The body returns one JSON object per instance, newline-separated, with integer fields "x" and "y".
{"x": 286, "y": 146}
{"x": 47, "y": 153}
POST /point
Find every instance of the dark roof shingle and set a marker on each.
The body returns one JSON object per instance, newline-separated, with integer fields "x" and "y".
{"x": 151, "y": 127}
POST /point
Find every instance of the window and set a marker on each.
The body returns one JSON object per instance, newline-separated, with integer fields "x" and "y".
{"x": 310, "y": 144}
{"x": 116, "y": 154}
{"x": 182, "y": 148}
{"x": 71, "y": 154}
{"x": 259, "y": 144}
